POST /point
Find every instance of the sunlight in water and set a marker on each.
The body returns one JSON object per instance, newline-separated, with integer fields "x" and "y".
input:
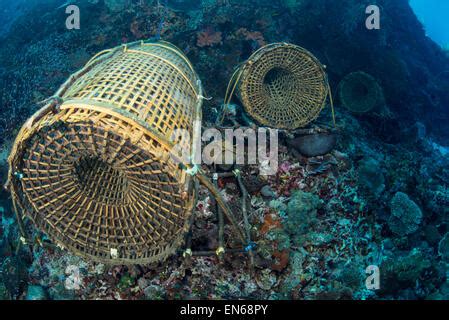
{"x": 434, "y": 16}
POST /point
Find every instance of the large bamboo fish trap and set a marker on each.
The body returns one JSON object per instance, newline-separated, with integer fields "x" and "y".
{"x": 281, "y": 85}
{"x": 93, "y": 168}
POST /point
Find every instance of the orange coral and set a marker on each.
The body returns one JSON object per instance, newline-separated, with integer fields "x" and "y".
{"x": 271, "y": 222}
{"x": 256, "y": 36}
{"x": 208, "y": 38}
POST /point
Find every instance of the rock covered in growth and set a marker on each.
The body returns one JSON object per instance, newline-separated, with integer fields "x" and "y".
{"x": 401, "y": 271}
{"x": 116, "y": 5}
{"x": 443, "y": 247}
{"x": 370, "y": 177}
{"x": 293, "y": 280}
{"x": 36, "y": 292}
{"x": 267, "y": 192}
{"x": 301, "y": 211}
{"x": 313, "y": 145}
{"x": 405, "y": 215}
{"x": 4, "y": 294}
{"x": 12, "y": 274}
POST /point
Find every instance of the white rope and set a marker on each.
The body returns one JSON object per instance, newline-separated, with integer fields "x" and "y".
{"x": 193, "y": 171}
{"x": 204, "y": 98}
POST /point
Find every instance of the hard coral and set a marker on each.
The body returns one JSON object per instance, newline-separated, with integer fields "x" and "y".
{"x": 281, "y": 260}
{"x": 301, "y": 210}
{"x": 270, "y": 222}
{"x": 293, "y": 4}
{"x": 134, "y": 28}
{"x": 116, "y": 5}
{"x": 405, "y": 215}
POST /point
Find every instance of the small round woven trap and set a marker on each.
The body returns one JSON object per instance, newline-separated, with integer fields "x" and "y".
{"x": 283, "y": 86}
{"x": 359, "y": 92}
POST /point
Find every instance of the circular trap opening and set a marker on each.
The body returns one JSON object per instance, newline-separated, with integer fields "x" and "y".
{"x": 100, "y": 180}
{"x": 359, "y": 92}
{"x": 283, "y": 86}
{"x": 279, "y": 83}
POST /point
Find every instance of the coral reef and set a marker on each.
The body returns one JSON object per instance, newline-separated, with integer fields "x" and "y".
{"x": 301, "y": 212}
{"x": 116, "y": 5}
{"x": 380, "y": 197}
{"x": 35, "y": 292}
{"x": 370, "y": 177}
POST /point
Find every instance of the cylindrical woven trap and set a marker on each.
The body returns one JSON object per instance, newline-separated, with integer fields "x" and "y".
{"x": 93, "y": 170}
{"x": 359, "y": 92}
{"x": 283, "y": 86}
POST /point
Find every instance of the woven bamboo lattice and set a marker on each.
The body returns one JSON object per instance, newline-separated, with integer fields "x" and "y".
{"x": 359, "y": 92}
{"x": 92, "y": 169}
{"x": 283, "y": 86}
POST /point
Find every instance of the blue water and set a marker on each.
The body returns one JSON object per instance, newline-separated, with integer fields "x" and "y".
{"x": 434, "y": 14}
